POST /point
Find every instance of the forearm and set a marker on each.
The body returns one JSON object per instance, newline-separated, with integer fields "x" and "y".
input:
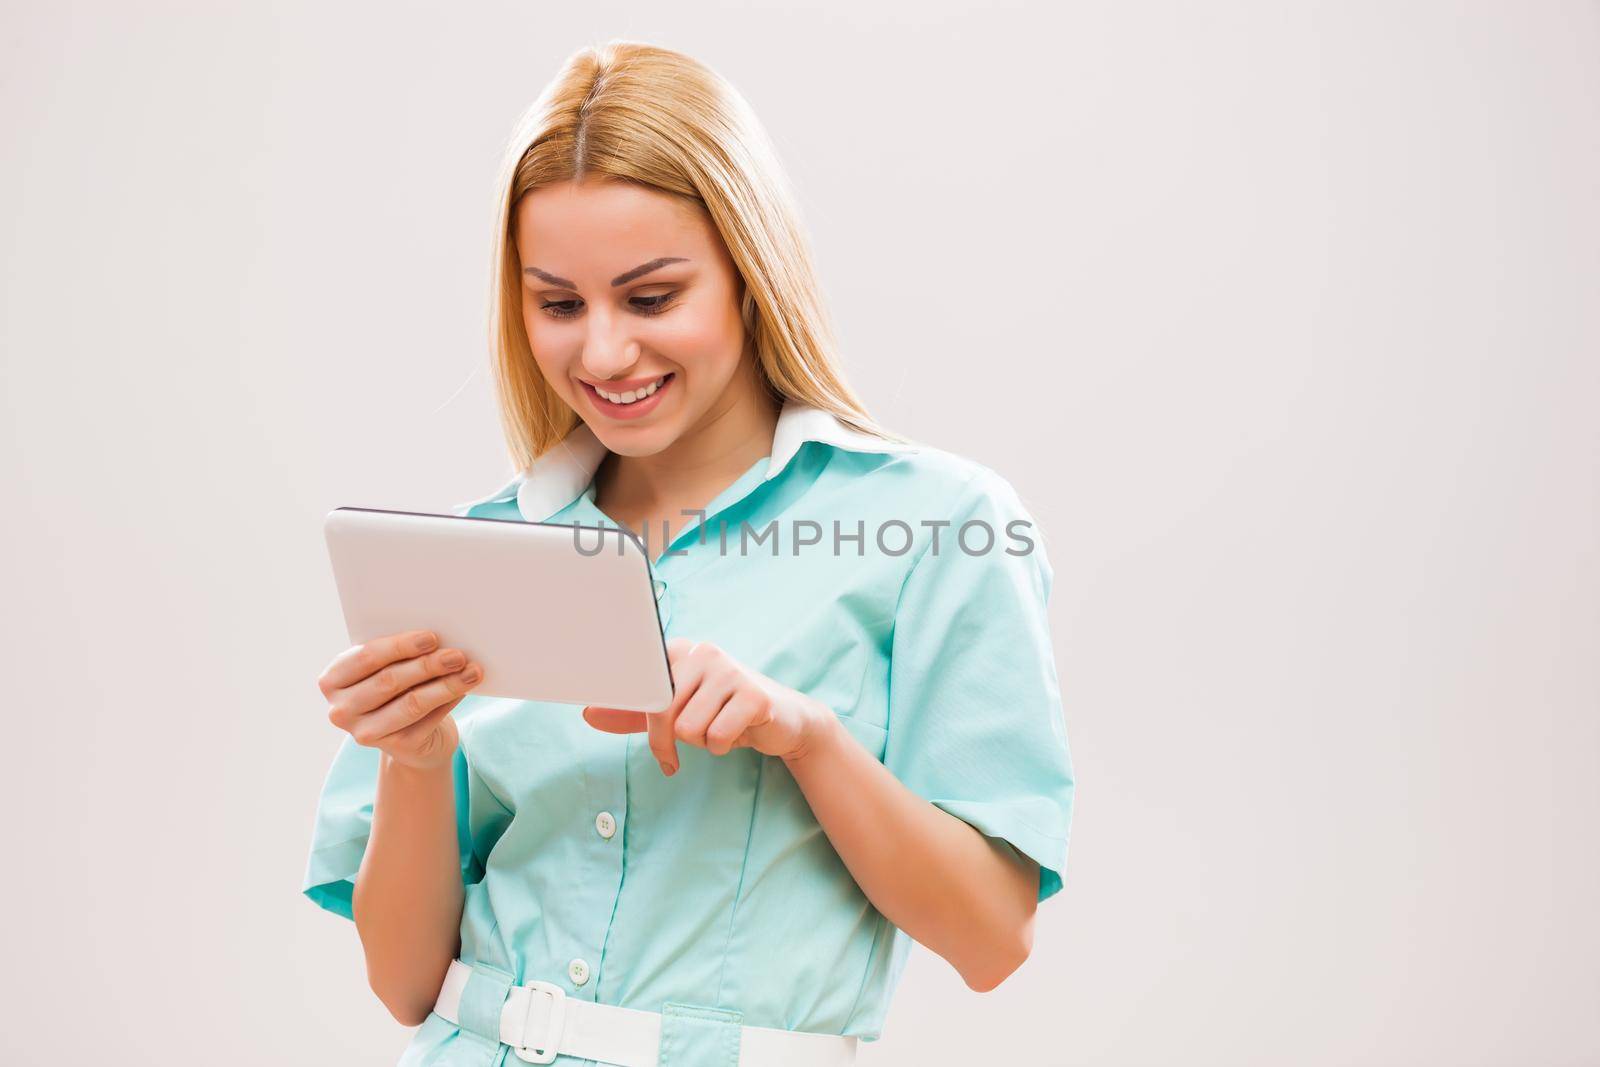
{"x": 408, "y": 894}
{"x": 967, "y": 898}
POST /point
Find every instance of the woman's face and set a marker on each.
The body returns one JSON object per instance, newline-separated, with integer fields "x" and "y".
{"x": 625, "y": 288}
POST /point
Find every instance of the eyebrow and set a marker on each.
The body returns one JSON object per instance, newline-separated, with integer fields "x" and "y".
{"x": 622, "y": 279}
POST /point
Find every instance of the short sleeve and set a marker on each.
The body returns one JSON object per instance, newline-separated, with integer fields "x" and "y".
{"x": 975, "y": 718}
{"x": 344, "y": 821}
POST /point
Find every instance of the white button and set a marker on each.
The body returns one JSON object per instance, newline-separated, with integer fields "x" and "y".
{"x": 605, "y": 825}
{"x": 578, "y": 971}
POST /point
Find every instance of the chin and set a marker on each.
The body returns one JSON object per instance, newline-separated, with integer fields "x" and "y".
{"x": 634, "y": 441}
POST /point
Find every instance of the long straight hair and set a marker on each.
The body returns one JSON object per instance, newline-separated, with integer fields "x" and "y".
{"x": 628, "y": 111}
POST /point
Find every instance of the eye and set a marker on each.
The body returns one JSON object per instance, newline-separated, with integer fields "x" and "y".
{"x": 644, "y": 305}
{"x": 653, "y": 305}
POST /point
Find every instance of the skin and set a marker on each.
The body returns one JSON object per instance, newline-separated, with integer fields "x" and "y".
{"x": 714, "y": 420}
{"x": 395, "y": 694}
{"x": 968, "y": 897}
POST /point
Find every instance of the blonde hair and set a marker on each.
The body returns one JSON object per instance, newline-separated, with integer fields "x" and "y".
{"x": 628, "y": 111}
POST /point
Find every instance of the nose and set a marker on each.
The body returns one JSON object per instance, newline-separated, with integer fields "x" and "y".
{"x": 608, "y": 351}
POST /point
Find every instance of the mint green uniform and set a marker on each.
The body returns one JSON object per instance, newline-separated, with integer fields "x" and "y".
{"x": 584, "y": 865}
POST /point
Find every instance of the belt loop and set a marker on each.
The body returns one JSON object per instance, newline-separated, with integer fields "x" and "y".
{"x": 693, "y": 1035}
{"x": 482, "y": 1001}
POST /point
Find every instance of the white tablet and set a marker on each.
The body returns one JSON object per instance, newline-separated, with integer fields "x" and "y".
{"x": 551, "y": 612}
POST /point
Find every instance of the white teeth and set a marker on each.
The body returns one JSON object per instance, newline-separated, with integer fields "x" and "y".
{"x": 633, "y": 394}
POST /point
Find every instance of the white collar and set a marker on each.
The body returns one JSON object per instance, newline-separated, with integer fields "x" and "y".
{"x": 557, "y": 477}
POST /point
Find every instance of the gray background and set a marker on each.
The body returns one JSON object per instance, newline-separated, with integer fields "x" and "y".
{"x": 1282, "y": 317}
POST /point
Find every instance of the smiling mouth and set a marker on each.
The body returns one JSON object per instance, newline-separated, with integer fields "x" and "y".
{"x": 628, "y": 404}
{"x": 631, "y": 396}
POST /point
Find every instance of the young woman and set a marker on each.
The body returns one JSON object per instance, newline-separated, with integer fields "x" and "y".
{"x": 866, "y": 743}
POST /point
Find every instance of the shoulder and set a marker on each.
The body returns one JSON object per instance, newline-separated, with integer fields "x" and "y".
{"x": 937, "y": 479}
{"x": 967, "y": 517}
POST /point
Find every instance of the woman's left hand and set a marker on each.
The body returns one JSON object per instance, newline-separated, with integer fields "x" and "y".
{"x": 719, "y": 705}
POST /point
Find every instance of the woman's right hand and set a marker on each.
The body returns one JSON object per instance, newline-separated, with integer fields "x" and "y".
{"x": 396, "y": 693}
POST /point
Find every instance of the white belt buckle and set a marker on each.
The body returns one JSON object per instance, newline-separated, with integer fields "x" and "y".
{"x": 545, "y": 1053}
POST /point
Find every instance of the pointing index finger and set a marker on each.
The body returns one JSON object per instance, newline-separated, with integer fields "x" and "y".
{"x": 661, "y": 726}
{"x": 679, "y": 648}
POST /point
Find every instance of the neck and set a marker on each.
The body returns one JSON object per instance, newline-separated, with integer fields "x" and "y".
{"x": 701, "y": 463}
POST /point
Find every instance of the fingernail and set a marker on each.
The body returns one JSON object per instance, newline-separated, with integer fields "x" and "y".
{"x": 669, "y": 769}
{"x": 453, "y": 659}
{"x": 426, "y": 642}
{"x": 471, "y": 674}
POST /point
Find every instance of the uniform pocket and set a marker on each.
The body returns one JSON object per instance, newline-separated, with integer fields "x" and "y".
{"x": 694, "y": 1035}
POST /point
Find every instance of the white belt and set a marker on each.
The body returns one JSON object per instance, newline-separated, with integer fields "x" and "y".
{"x": 540, "y": 1021}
